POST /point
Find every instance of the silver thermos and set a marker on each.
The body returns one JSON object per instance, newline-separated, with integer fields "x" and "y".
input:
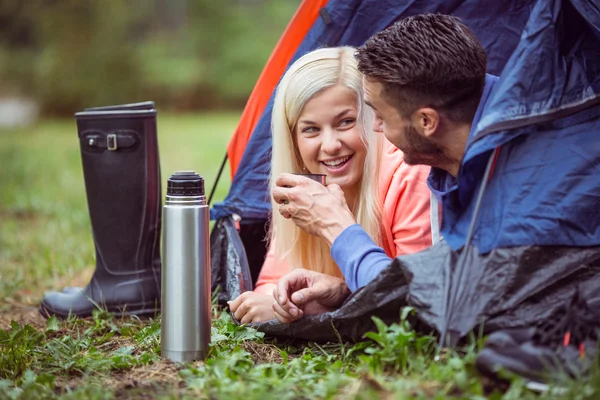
{"x": 185, "y": 302}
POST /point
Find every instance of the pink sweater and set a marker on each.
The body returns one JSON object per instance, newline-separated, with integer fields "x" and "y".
{"x": 405, "y": 225}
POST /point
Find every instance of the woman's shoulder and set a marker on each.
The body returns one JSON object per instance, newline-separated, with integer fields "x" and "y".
{"x": 393, "y": 170}
{"x": 405, "y": 201}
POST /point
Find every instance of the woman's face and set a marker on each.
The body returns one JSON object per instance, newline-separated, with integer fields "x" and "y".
{"x": 329, "y": 139}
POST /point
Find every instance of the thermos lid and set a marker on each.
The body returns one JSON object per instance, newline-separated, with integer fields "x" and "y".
{"x": 185, "y": 183}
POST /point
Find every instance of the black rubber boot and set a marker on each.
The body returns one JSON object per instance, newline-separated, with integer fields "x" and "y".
{"x": 121, "y": 170}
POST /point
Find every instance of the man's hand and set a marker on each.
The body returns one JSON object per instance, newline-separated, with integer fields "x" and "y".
{"x": 303, "y": 292}
{"x": 319, "y": 210}
{"x": 252, "y": 307}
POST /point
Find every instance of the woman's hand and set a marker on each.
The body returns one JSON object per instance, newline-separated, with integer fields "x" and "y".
{"x": 252, "y": 307}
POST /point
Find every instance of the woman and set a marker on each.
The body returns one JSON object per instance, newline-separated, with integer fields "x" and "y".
{"x": 321, "y": 125}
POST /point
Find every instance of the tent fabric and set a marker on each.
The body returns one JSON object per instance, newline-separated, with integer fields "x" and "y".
{"x": 549, "y": 130}
{"x": 229, "y": 271}
{"x": 287, "y": 45}
{"x": 517, "y": 287}
{"x": 537, "y": 237}
{"x": 498, "y": 25}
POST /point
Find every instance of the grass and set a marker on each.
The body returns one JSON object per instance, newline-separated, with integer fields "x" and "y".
{"x": 45, "y": 238}
{"x": 45, "y": 243}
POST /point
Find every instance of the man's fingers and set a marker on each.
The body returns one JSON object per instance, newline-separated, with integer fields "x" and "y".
{"x": 285, "y": 212}
{"x": 281, "y": 319}
{"x": 294, "y": 281}
{"x": 303, "y": 296}
{"x": 337, "y": 191}
{"x": 280, "y": 195}
{"x": 285, "y": 286}
{"x": 281, "y": 290}
{"x": 288, "y": 312}
{"x": 335, "y": 188}
{"x": 281, "y": 314}
{"x": 284, "y": 316}
{"x": 287, "y": 180}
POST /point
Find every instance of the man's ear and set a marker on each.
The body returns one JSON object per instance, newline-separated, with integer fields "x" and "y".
{"x": 427, "y": 121}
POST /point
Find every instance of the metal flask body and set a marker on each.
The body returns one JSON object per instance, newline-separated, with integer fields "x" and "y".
{"x": 185, "y": 301}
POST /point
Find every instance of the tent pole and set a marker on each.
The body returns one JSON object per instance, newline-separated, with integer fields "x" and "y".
{"x": 212, "y": 192}
{"x": 489, "y": 170}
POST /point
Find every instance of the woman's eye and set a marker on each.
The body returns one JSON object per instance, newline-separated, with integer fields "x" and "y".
{"x": 347, "y": 121}
{"x": 310, "y": 129}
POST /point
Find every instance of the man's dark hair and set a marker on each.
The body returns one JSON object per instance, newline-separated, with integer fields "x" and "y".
{"x": 427, "y": 60}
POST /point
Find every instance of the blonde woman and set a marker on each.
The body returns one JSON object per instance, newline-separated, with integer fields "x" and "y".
{"x": 320, "y": 125}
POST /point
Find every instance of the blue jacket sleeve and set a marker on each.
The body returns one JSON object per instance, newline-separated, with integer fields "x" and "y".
{"x": 358, "y": 257}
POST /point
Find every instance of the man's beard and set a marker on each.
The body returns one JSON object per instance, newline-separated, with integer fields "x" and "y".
{"x": 420, "y": 150}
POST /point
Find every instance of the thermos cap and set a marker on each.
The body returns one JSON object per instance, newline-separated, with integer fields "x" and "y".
{"x": 185, "y": 183}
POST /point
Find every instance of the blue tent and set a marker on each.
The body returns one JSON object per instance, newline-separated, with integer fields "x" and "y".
{"x": 522, "y": 229}
{"x": 544, "y": 113}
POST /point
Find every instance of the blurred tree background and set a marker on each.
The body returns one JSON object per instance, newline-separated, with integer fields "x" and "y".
{"x": 184, "y": 54}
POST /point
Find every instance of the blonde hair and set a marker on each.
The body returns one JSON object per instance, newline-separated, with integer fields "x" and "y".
{"x": 312, "y": 73}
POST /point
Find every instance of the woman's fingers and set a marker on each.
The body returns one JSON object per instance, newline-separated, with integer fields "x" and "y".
{"x": 252, "y": 307}
{"x": 233, "y": 305}
{"x": 248, "y": 317}
{"x": 241, "y": 311}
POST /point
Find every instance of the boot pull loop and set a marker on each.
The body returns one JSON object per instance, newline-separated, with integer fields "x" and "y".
{"x": 111, "y": 142}
{"x": 97, "y": 141}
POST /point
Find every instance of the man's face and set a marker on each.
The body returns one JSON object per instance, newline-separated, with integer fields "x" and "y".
{"x": 401, "y": 131}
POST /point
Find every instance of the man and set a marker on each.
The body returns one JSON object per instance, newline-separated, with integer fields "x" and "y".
{"x": 425, "y": 79}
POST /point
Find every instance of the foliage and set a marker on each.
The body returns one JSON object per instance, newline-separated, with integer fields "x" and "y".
{"x": 71, "y": 54}
{"x": 72, "y": 358}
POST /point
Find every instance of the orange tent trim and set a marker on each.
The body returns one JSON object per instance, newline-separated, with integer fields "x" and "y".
{"x": 289, "y": 42}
